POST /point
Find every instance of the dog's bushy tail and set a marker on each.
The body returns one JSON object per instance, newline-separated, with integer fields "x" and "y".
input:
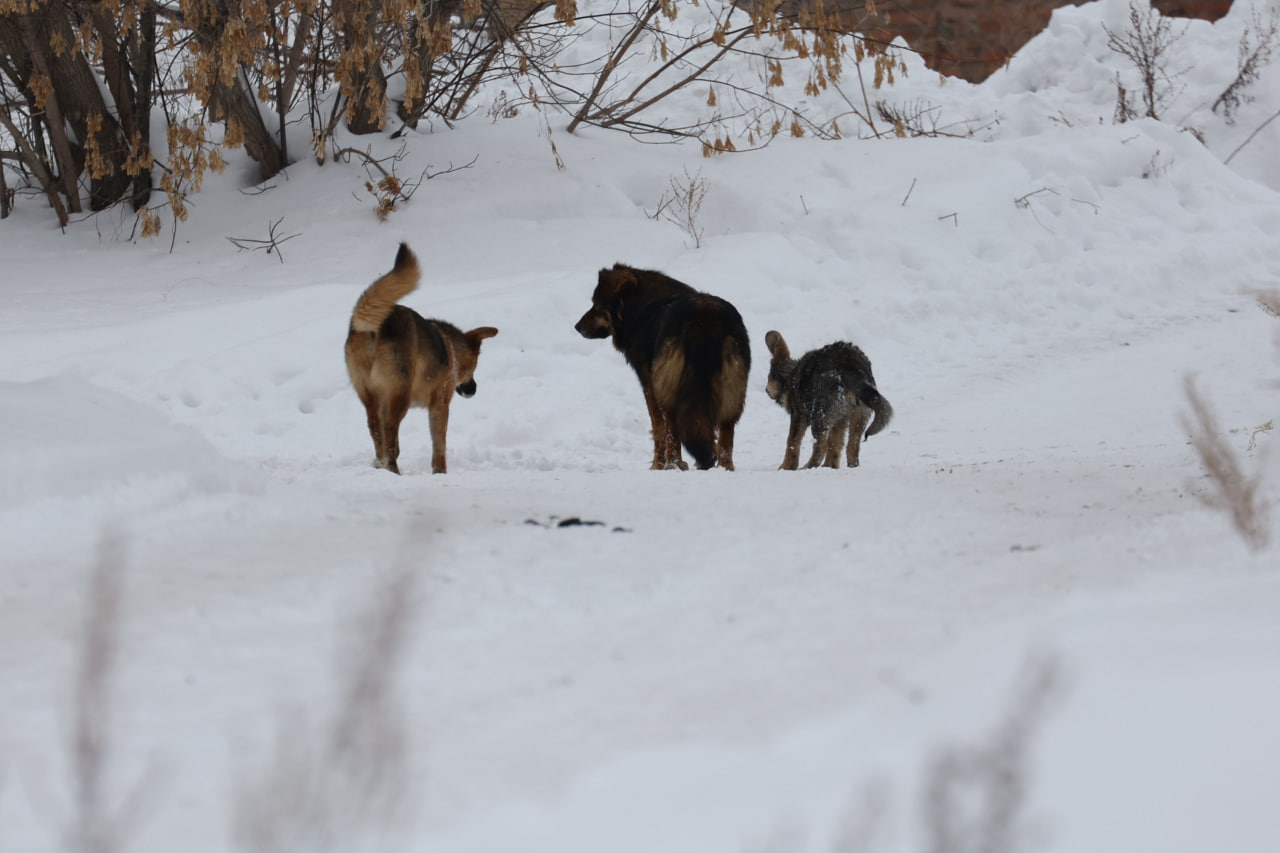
{"x": 879, "y": 405}
{"x": 376, "y": 303}
{"x": 703, "y": 384}
{"x": 695, "y": 430}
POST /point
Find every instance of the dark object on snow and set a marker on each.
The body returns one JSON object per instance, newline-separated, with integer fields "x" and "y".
{"x": 572, "y": 521}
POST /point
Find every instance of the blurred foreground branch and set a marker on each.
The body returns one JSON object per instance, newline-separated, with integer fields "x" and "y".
{"x": 1235, "y": 492}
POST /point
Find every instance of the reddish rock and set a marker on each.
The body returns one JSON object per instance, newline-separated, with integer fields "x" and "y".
{"x": 972, "y": 38}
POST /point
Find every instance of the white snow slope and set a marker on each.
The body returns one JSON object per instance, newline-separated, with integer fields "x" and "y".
{"x": 757, "y": 660}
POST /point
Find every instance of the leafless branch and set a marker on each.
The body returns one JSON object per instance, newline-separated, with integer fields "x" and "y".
{"x": 1235, "y": 492}
{"x": 390, "y": 189}
{"x": 1252, "y": 59}
{"x": 100, "y": 815}
{"x": 682, "y": 203}
{"x": 1256, "y": 131}
{"x": 269, "y": 245}
{"x": 344, "y": 781}
{"x": 1025, "y": 201}
{"x": 1146, "y": 44}
{"x": 975, "y": 797}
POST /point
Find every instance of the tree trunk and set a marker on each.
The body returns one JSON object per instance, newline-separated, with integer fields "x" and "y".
{"x": 435, "y": 14}
{"x": 144, "y": 71}
{"x": 365, "y": 84}
{"x": 234, "y": 103}
{"x": 80, "y": 100}
{"x": 36, "y": 163}
{"x": 132, "y": 93}
{"x": 72, "y": 101}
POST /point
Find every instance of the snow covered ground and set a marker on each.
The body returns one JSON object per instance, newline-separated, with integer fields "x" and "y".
{"x": 751, "y": 661}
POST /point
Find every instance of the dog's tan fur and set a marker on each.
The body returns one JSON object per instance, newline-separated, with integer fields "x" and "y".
{"x": 396, "y": 359}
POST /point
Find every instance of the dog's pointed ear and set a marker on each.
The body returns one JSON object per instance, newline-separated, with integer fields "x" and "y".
{"x": 475, "y": 336}
{"x": 777, "y": 346}
{"x": 618, "y": 280}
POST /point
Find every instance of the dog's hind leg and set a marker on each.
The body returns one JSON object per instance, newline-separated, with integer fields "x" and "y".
{"x": 835, "y": 444}
{"x": 724, "y": 445}
{"x": 374, "y": 418}
{"x": 857, "y": 426}
{"x": 439, "y": 416}
{"x": 820, "y": 435}
{"x": 666, "y": 450}
{"x": 393, "y": 411}
{"x": 676, "y": 457}
{"x": 795, "y": 435}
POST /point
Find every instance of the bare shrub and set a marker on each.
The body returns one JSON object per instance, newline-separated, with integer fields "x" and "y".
{"x": 681, "y": 204}
{"x": 1146, "y": 44}
{"x": 1125, "y": 110}
{"x": 93, "y": 829}
{"x": 746, "y": 99}
{"x": 83, "y": 85}
{"x": 1156, "y": 167}
{"x": 919, "y": 118}
{"x": 341, "y": 782}
{"x": 975, "y": 796}
{"x": 100, "y": 817}
{"x": 390, "y": 189}
{"x": 1256, "y": 50}
{"x": 1269, "y": 302}
{"x": 1234, "y": 492}
{"x": 272, "y": 244}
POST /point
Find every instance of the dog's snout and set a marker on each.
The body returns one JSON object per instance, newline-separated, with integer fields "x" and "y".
{"x": 467, "y": 389}
{"x": 593, "y": 325}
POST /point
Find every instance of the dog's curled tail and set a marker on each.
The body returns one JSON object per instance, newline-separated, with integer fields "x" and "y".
{"x": 879, "y": 405}
{"x": 376, "y": 303}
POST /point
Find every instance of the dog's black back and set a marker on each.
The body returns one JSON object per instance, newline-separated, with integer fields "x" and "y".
{"x": 822, "y": 376}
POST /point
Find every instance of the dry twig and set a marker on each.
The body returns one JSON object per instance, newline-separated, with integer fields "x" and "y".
{"x": 100, "y": 816}
{"x": 342, "y": 784}
{"x": 1235, "y": 492}
{"x": 269, "y": 245}
{"x": 681, "y": 204}
{"x": 975, "y": 797}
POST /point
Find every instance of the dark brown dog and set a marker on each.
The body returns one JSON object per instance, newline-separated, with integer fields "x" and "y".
{"x": 831, "y": 388}
{"x": 398, "y": 359}
{"x": 690, "y": 352}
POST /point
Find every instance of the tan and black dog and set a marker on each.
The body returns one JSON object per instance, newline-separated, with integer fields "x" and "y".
{"x": 690, "y": 352}
{"x": 831, "y": 388}
{"x": 397, "y": 359}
